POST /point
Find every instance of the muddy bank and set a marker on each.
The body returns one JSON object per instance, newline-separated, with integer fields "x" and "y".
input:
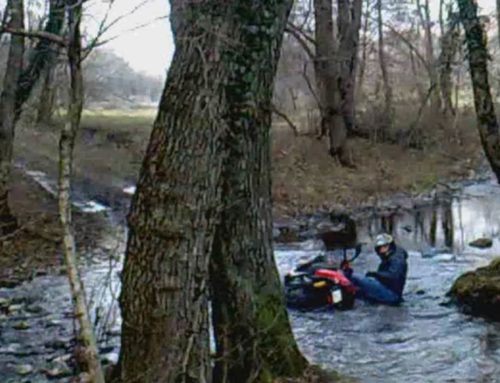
{"x": 111, "y": 145}
{"x": 35, "y": 248}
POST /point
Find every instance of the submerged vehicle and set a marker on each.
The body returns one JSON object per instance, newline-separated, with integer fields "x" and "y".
{"x": 322, "y": 283}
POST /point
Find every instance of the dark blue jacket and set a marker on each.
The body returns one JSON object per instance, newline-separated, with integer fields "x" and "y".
{"x": 392, "y": 271}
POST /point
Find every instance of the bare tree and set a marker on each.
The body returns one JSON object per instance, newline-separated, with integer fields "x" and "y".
{"x": 478, "y": 66}
{"x": 389, "y": 108}
{"x": 450, "y": 43}
{"x": 87, "y": 340}
{"x": 425, "y": 20}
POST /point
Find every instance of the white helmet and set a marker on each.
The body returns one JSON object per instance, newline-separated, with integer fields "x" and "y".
{"x": 383, "y": 240}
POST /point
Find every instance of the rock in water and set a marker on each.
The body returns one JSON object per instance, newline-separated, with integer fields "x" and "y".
{"x": 24, "y": 369}
{"x": 482, "y": 243}
{"x": 22, "y": 326}
{"x": 478, "y": 292}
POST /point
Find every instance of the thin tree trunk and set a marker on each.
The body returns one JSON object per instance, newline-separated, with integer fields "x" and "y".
{"x": 478, "y": 66}
{"x": 364, "y": 46}
{"x": 253, "y": 336}
{"x": 15, "y": 8}
{"x": 45, "y": 107}
{"x": 441, "y": 17}
{"x": 388, "y": 110}
{"x": 349, "y": 24}
{"x": 498, "y": 21}
{"x": 87, "y": 340}
{"x": 326, "y": 69}
{"x": 449, "y": 46}
{"x": 425, "y": 19}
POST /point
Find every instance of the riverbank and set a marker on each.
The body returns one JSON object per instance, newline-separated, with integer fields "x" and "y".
{"x": 34, "y": 249}
{"x": 306, "y": 180}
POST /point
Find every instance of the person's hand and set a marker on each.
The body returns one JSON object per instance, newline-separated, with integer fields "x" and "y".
{"x": 370, "y": 274}
{"x": 347, "y": 271}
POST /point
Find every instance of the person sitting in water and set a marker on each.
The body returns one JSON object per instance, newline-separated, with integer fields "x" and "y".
{"x": 385, "y": 285}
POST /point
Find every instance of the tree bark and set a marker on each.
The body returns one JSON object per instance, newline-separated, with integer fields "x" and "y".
{"x": 15, "y": 8}
{"x": 253, "y": 336}
{"x": 388, "y": 109}
{"x": 91, "y": 362}
{"x": 478, "y": 66}
{"x": 174, "y": 212}
{"x": 206, "y": 104}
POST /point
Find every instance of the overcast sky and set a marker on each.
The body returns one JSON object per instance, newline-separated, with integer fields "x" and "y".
{"x": 150, "y": 48}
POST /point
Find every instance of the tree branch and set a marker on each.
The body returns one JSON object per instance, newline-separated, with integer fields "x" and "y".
{"x": 279, "y": 113}
{"x": 56, "y": 39}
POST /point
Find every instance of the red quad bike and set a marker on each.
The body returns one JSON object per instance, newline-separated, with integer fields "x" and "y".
{"x": 322, "y": 283}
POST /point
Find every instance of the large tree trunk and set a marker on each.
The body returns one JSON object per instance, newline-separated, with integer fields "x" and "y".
{"x": 90, "y": 363}
{"x": 349, "y": 24}
{"x": 326, "y": 70}
{"x": 176, "y": 208}
{"x": 174, "y": 212}
{"x": 253, "y": 336}
{"x": 388, "y": 109}
{"x": 478, "y": 64}
{"x": 8, "y": 112}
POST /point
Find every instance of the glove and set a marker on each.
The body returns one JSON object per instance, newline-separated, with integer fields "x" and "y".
{"x": 371, "y": 274}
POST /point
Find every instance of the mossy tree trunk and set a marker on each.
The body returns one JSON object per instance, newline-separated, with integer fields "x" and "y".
{"x": 478, "y": 65}
{"x": 253, "y": 337}
{"x": 15, "y": 8}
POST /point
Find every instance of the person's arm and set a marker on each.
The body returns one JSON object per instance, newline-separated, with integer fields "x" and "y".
{"x": 396, "y": 267}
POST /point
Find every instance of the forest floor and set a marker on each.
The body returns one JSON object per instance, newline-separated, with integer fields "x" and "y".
{"x": 305, "y": 179}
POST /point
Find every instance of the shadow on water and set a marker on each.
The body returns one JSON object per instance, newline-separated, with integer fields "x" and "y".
{"x": 423, "y": 340}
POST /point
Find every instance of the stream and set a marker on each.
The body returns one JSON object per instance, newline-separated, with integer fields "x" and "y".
{"x": 423, "y": 340}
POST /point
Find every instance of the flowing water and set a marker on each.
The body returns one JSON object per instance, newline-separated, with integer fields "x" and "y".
{"x": 424, "y": 340}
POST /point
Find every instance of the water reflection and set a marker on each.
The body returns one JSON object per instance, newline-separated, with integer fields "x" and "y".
{"x": 449, "y": 224}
